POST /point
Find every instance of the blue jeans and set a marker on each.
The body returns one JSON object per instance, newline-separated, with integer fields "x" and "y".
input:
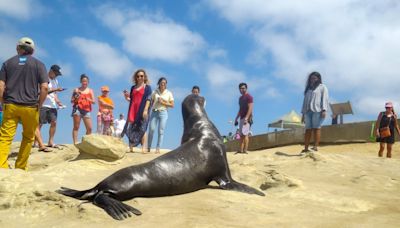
{"x": 313, "y": 120}
{"x": 157, "y": 118}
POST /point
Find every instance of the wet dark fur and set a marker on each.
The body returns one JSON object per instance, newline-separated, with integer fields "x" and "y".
{"x": 200, "y": 159}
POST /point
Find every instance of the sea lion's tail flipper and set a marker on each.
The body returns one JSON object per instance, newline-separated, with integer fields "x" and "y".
{"x": 114, "y": 208}
{"x": 236, "y": 186}
{"x": 82, "y": 195}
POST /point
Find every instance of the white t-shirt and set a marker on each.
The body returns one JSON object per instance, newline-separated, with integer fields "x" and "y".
{"x": 50, "y": 101}
{"x": 119, "y": 125}
{"x": 166, "y": 95}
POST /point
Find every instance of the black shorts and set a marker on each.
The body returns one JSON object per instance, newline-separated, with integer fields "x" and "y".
{"x": 47, "y": 115}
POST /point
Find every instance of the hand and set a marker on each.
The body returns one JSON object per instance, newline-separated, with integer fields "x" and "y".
{"x": 236, "y": 123}
{"x": 302, "y": 119}
{"x": 245, "y": 121}
{"x": 323, "y": 114}
{"x": 126, "y": 94}
{"x": 145, "y": 115}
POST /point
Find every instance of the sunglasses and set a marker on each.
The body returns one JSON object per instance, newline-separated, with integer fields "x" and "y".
{"x": 140, "y": 76}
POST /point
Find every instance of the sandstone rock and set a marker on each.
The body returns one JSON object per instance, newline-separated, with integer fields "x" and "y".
{"x": 103, "y": 146}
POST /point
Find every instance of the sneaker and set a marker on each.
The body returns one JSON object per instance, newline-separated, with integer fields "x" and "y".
{"x": 314, "y": 148}
{"x": 305, "y": 151}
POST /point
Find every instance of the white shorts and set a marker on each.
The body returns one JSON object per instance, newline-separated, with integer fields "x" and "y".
{"x": 244, "y": 129}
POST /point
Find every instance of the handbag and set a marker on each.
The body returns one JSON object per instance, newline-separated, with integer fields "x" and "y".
{"x": 385, "y": 131}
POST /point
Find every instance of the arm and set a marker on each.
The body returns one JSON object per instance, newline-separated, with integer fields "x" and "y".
{"x": 236, "y": 118}
{"x": 126, "y": 96}
{"x": 107, "y": 105}
{"x": 167, "y": 103}
{"x": 92, "y": 97}
{"x": 325, "y": 101}
{"x": 249, "y": 112}
{"x": 396, "y": 124}
{"x": 146, "y": 107}
{"x": 58, "y": 102}
{"x": 378, "y": 121}
{"x": 75, "y": 96}
{"x": 2, "y": 87}
{"x": 43, "y": 93}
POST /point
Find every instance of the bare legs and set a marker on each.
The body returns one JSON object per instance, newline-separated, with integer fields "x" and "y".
{"x": 77, "y": 121}
{"x": 244, "y": 144}
{"x": 52, "y": 132}
{"x": 143, "y": 142}
{"x": 316, "y": 132}
{"x": 388, "y": 148}
{"x": 38, "y": 137}
{"x": 307, "y": 138}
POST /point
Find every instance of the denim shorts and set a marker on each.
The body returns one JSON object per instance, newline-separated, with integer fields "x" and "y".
{"x": 79, "y": 112}
{"x": 313, "y": 120}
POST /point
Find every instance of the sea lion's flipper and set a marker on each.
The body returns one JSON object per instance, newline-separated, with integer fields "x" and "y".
{"x": 236, "y": 186}
{"x": 82, "y": 195}
{"x": 114, "y": 208}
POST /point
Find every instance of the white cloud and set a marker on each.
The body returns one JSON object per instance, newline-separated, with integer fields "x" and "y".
{"x": 21, "y": 9}
{"x": 179, "y": 94}
{"x": 7, "y": 46}
{"x": 224, "y": 82}
{"x": 151, "y": 36}
{"x": 101, "y": 58}
{"x": 353, "y": 43}
{"x": 217, "y": 53}
{"x": 8, "y": 43}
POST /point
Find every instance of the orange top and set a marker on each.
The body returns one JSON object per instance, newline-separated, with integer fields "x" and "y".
{"x": 106, "y": 100}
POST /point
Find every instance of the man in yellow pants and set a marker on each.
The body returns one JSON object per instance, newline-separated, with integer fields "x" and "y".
{"x": 23, "y": 89}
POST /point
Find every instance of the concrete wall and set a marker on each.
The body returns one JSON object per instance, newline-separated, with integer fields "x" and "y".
{"x": 341, "y": 133}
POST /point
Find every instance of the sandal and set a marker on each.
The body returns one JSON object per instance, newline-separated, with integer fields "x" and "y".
{"x": 44, "y": 149}
{"x": 55, "y": 146}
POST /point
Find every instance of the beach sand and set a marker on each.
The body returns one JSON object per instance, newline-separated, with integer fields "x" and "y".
{"x": 339, "y": 186}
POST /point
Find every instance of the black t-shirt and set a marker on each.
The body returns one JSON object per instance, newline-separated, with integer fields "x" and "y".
{"x": 23, "y": 75}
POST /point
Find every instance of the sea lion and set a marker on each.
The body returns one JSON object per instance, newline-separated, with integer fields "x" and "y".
{"x": 200, "y": 159}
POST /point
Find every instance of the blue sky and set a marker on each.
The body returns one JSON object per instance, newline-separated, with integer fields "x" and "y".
{"x": 216, "y": 44}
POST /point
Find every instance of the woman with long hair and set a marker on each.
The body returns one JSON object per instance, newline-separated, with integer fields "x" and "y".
{"x": 139, "y": 104}
{"x": 162, "y": 100}
{"x": 387, "y": 122}
{"x": 315, "y": 105}
{"x": 82, "y": 100}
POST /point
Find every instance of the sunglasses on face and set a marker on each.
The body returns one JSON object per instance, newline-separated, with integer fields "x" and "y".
{"x": 140, "y": 76}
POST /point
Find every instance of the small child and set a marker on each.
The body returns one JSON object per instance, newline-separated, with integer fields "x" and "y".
{"x": 107, "y": 119}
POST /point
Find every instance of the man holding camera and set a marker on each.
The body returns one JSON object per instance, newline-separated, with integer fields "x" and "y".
{"x": 48, "y": 113}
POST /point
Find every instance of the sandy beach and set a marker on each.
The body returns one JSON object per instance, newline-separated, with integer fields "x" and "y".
{"x": 339, "y": 186}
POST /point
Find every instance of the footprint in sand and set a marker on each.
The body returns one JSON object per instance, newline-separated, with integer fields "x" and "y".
{"x": 273, "y": 179}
